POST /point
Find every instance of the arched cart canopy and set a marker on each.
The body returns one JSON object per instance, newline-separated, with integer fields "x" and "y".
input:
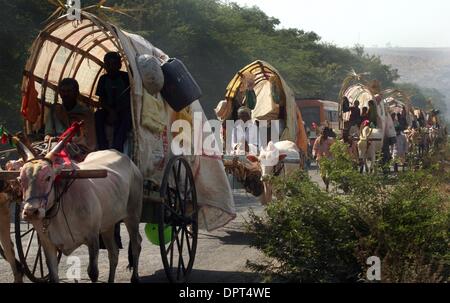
{"x": 266, "y": 109}
{"x": 394, "y": 104}
{"x": 76, "y": 49}
{"x": 363, "y": 93}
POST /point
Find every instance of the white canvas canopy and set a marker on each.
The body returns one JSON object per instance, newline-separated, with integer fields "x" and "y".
{"x": 76, "y": 49}
{"x": 362, "y": 93}
{"x": 266, "y": 108}
{"x": 396, "y": 106}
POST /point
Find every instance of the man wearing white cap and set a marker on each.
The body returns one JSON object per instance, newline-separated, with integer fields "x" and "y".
{"x": 245, "y": 132}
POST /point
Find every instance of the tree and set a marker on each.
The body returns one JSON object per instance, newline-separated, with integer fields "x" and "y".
{"x": 212, "y": 38}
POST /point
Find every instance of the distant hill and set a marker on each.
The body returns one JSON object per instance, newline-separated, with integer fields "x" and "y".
{"x": 426, "y": 67}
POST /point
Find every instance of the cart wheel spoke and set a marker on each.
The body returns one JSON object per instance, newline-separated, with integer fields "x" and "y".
{"x": 173, "y": 213}
{"x": 186, "y": 181}
{"x": 29, "y": 244}
{"x": 188, "y": 244}
{"x": 170, "y": 248}
{"x": 27, "y": 232}
{"x": 180, "y": 257}
{"x": 36, "y": 260}
{"x": 174, "y": 234}
{"x": 41, "y": 265}
{"x": 171, "y": 253}
{"x": 29, "y": 249}
{"x": 179, "y": 171}
{"x": 178, "y": 195}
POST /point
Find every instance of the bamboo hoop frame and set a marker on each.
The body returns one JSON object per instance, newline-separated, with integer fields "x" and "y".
{"x": 109, "y": 33}
{"x": 46, "y": 35}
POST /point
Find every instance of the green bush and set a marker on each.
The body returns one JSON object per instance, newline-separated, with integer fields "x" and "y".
{"x": 340, "y": 170}
{"x": 307, "y": 233}
{"x": 314, "y": 236}
{"x": 410, "y": 230}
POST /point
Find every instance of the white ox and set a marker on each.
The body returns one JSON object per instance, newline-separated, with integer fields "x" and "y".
{"x": 385, "y": 124}
{"x": 88, "y": 208}
{"x": 370, "y": 142}
{"x": 269, "y": 160}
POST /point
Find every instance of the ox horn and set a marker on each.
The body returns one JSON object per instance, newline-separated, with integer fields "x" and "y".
{"x": 23, "y": 150}
{"x": 57, "y": 149}
{"x": 67, "y": 136}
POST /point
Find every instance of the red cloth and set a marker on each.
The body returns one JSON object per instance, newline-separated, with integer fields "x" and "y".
{"x": 30, "y": 106}
{"x": 65, "y": 157}
{"x": 71, "y": 131}
{"x": 69, "y": 134}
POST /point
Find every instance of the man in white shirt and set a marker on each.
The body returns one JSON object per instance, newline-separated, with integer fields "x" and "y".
{"x": 245, "y": 133}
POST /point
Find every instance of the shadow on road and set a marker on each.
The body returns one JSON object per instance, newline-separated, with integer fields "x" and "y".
{"x": 231, "y": 237}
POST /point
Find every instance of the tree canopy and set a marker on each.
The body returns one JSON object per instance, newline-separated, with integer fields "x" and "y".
{"x": 212, "y": 38}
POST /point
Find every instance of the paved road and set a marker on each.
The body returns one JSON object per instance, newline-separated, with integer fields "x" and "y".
{"x": 221, "y": 255}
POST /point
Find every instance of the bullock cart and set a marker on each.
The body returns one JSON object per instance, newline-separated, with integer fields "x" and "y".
{"x": 178, "y": 194}
{"x": 356, "y": 88}
{"x": 275, "y": 101}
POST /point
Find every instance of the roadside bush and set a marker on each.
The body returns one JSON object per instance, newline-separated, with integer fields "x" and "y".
{"x": 340, "y": 170}
{"x": 313, "y": 236}
{"x": 407, "y": 227}
{"x": 307, "y": 233}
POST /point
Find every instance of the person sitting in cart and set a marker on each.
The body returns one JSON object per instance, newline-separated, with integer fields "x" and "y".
{"x": 71, "y": 110}
{"x": 113, "y": 90}
{"x": 373, "y": 114}
{"x": 241, "y": 135}
{"x": 355, "y": 114}
{"x": 364, "y": 115}
{"x": 246, "y": 95}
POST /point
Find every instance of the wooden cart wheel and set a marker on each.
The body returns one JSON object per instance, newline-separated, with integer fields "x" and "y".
{"x": 29, "y": 250}
{"x": 180, "y": 213}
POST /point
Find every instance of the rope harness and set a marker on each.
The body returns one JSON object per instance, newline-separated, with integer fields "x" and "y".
{"x": 278, "y": 169}
{"x": 366, "y": 139}
{"x": 53, "y": 211}
{"x": 59, "y": 199}
{"x": 248, "y": 176}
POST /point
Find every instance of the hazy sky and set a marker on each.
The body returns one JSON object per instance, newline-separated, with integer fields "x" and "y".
{"x": 401, "y": 23}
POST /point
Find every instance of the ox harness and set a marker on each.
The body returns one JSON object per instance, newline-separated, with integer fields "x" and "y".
{"x": 53, "y": 211}
{"x": 278, "y": 169}
{"x": 368, "y": 139}
{"x": 58, "y": 205}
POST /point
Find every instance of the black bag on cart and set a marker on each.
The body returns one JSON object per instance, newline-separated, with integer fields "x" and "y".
{"x": 180, "y": 88}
